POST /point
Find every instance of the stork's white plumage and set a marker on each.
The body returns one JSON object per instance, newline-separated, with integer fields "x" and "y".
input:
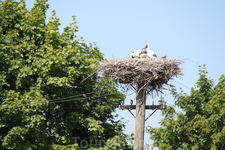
{"x": 143, "y": 55}
{"x": 151, "y": 54}
{"x": 142, "y": 52}
{"x": 135, "y": 55}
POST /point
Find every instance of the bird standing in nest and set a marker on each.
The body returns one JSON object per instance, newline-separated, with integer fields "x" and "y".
{"x": 142, "y": 52}
{"x": 135, "y": 55}
{"x": 151, "y": 54}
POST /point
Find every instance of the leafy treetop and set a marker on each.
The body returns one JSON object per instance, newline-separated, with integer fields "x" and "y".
{"x": 49, "y": 90}
{"x": 201, "y": 122}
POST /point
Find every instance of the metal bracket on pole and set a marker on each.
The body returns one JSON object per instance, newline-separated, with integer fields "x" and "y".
{"x": 131, "y": 113}
{"x": 152, "y": 107}
{"x": 151, "y": 114}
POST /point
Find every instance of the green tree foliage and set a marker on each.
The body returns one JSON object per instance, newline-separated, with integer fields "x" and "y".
{"x": 49, "y": 90}
{"x": 201, "y": 122}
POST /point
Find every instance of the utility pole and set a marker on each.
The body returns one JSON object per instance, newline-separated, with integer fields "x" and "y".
{"x": 143, "y": 75}
{"x": 140, "y": 119}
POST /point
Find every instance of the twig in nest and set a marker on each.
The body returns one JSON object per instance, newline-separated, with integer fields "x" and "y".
{"x": 149, "y": 73}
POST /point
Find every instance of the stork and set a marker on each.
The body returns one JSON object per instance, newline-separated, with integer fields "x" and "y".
{"x": 151, "y": 54}
{"x": 142, "y": 52}
{"x": 135, "y": 55}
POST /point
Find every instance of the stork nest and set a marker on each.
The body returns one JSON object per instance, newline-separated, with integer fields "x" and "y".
{"x": 151, "y": 73}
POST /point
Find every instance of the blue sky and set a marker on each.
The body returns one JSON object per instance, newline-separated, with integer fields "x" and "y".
{"x": 193, "y": 30}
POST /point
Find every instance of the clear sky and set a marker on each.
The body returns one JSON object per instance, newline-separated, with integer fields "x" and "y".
{"x": 193, "y": 30}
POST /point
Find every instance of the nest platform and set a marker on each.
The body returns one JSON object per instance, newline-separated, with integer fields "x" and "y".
{"x": 142, "y": 72}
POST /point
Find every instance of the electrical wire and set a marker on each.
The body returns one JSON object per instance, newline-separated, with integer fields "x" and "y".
{"x": 72, "y": 96}
{"x": 65, "y": 99}
{"x": 74, "y": 99}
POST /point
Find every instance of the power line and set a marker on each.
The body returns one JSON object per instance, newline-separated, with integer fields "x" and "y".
{"x": 72, "y": 96}
{"x": 93, "y": 97}
{"x": 61, "y": 100}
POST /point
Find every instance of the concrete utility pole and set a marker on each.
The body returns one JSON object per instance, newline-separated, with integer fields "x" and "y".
{"x": 140, "y": 119}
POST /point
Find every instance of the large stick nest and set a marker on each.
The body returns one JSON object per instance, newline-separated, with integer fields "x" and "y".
{"x": 151, "y": 73}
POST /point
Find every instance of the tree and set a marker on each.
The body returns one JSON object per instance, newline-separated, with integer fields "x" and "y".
{"x": 50, "y": 93}
{"x": 201, "y": 122}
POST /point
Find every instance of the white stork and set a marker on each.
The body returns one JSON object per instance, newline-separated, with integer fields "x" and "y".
{"x": 151, "y": 54}
{"x": 135, "y": 55}
{"x": 142, "y": 53}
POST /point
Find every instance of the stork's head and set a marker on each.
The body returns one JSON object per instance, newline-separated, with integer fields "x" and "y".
{"x": 147, "y": 45}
